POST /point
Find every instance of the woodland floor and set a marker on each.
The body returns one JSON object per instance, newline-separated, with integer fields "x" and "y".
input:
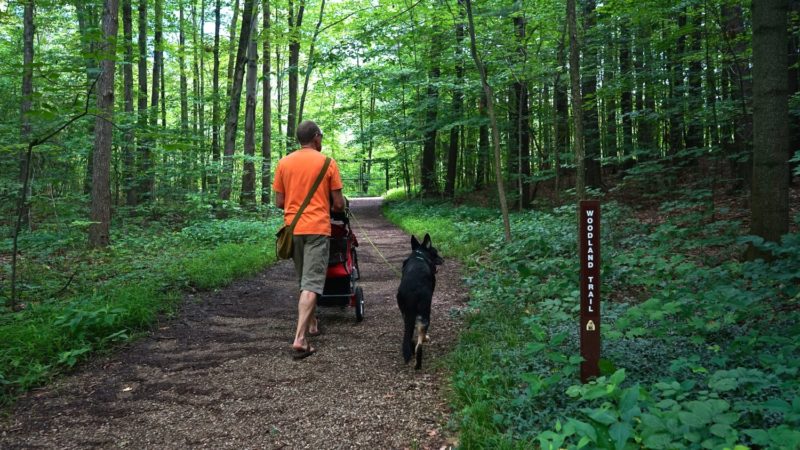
{"x": 221, "y": 374}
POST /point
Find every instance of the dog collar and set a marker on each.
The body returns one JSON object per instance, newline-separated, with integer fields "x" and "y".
{"x": 419, "y": 255}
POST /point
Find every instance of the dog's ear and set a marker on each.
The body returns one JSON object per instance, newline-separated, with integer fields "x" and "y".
{"x": 414, "y": 243}
{"x": 426, "y": 242}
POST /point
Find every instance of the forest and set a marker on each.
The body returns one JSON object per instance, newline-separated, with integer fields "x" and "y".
{"x": 138, "y": 139}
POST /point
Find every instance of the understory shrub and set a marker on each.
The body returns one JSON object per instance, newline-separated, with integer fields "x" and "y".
{"x": 78, "y": 302}
{"x": 699, "y": 349}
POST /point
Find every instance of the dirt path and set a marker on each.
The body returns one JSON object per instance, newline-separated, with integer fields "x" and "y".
{"x": 220, "y": 375}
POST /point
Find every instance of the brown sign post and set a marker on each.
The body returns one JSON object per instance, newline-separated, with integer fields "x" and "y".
{"x": 589, "y": 238}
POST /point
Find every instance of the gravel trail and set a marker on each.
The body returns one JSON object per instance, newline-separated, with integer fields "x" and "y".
{"x": 220, "y": 374}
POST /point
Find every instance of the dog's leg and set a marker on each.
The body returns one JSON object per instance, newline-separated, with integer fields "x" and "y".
{"x": 421, "y": 337}
{"x": 408, "y": 336}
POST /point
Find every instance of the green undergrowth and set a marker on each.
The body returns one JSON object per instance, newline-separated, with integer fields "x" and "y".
{"x": 700, "y": 349}
{"x": 79, "y": 302}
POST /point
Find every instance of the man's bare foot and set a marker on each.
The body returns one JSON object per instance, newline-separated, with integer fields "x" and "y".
{"x": 313, "y": 327}
{"x": 301, "y": 345}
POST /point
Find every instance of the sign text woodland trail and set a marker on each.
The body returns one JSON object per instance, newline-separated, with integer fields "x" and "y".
{"x": 589, "y": 248}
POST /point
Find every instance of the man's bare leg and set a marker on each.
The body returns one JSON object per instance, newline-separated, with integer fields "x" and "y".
{"x": 305, "y": 312}
{"x": 313, "y": 326}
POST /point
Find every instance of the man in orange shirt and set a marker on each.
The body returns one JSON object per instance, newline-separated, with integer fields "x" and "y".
{"x": 294, "y": 178}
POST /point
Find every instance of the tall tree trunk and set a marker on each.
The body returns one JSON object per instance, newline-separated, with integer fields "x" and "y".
{"x": 198, "y": 105}
{"x": 294, "y": 60}
{"x": 738, "y": 70}
{"x": 215, "y": 125}
{"x": 609, "y": 79}
{"x": 184, "y": 86}
{"x": 561, "y": 114}
{"x": 248, "y": 197}
{"x": 279, "y": 87}
{"x": 769, "y": 199}
{"x": 577, "y": 100}
{"x": 310, "y": 63}
{"x": 645, "y": 126}
{"x": 677, "y": 91}
{"x": 589, "y": 88}
{"x": 522, "y": 125}
{"x": 28, "y": 33}
{"x": 232, "y": 116}
{"x": 712, "y": 126}
{"x": 232, "y": 48}
{"x": 794, "y": 81}
{"x": 128, "y": 155}
{"x": 88, "y": 23}
{"x": 184, "y": 95}
{"x": 694, "y": 124}
{"x": 158, "y": 58}
{"x": 145, "y": 161}
{"x": 626, "y": 95}
{"x": 487, "y": 89}
{"x": 428, "y": 168}
{"x": 163, "y": 103}
{"x": 266, "y": 99}
{"x": 457, "y": 106}
{"x": 483, "y": 144}
{"x": 101, "y": 186}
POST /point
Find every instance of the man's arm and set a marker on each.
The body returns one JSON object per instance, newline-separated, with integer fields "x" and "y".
{"x": 338, "y": 200}
{"x": 280, "y": 198}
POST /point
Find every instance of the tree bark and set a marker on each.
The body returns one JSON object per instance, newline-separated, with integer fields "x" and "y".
{"x": 769, "y": 199}
{"x": 294, "y": 60}
{"x": 128, "y": 154}
{"x": 487, "y": 89}
{"x": 145, "y": 161}
{"x": 248, "y": 197}
{"x": 266, "y": 100}
{"x": 232, "y": 116}
{"x": 577, "y": 100}
{"x": 101, "y": 187}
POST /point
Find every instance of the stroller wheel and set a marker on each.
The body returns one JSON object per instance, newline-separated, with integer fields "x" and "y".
{"x": 359, "y": 304}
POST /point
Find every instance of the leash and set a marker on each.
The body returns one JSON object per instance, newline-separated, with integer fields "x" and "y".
{"x": 364, "y": 233}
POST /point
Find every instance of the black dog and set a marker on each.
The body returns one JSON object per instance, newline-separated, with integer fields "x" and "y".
{"x": 415, "y": 294}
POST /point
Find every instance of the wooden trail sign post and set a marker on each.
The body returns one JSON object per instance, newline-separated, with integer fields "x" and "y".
{"x": 589, "y": 249}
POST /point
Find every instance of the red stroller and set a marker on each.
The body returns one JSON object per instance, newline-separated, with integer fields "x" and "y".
{"x": 340, "y": 280}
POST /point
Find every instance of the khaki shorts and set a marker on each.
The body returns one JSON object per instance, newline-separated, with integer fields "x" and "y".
{"x": 311, "y": 261}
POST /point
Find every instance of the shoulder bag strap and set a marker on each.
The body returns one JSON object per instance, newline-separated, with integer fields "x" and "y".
{"x": 311, "y": 192}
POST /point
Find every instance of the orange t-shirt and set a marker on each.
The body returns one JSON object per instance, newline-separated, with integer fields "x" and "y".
{"x": 294, "y": 177}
